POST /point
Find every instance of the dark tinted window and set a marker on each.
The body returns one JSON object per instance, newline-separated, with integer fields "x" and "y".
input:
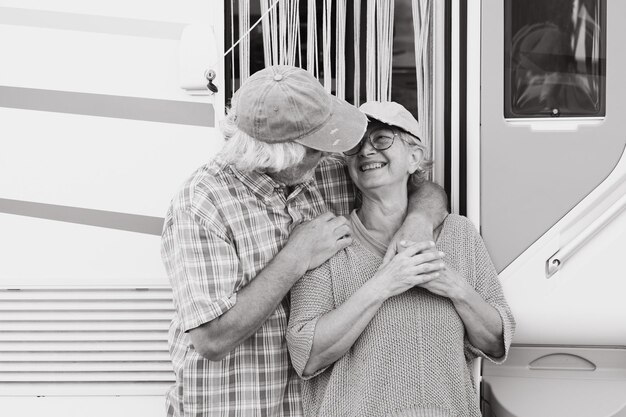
{"x": 554, "y": 58}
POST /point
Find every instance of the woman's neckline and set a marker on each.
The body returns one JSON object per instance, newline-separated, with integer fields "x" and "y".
{"x": 367, "y": 240}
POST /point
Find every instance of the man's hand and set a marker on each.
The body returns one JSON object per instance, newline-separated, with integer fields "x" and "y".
{"x": 315, "y": 241}
{"x": 426, "y": 212}
{"x": 415, "y": 228}
{"x": 309, "y": 245}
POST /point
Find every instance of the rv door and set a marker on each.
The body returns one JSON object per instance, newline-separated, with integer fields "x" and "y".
{"x": 547, "y": 183}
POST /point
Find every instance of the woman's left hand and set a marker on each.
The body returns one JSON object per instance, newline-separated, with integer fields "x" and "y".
{"x": 448, "y": 284}
{"x": 482, "y": 321}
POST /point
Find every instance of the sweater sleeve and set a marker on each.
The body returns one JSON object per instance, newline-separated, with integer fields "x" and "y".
{"x": 488, "y": 286}
{"x": 311, "y": 297}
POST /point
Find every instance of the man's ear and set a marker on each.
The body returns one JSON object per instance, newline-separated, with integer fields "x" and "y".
{"x": 415, "y": 155}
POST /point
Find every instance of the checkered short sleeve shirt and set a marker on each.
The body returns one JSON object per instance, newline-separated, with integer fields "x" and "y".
{"x": 221, "y": 230}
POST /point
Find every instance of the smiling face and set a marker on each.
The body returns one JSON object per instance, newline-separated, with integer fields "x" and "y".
{"x": 385, "y": 170}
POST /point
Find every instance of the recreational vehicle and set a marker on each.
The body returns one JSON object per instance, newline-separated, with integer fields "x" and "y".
{"x": 107, "y": 107}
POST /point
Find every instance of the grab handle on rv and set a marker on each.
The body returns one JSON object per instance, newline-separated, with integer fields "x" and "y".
{"x": 556, "y": 261}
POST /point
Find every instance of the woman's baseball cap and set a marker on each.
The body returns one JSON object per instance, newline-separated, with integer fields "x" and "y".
{"x": 287, "y": 104}
{"x": 393, "y": 114}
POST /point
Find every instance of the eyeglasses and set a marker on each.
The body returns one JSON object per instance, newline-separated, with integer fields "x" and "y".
{"x": 379, "y": 141}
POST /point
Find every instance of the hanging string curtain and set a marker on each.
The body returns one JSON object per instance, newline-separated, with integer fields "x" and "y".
{"x": 244, "y": 46}
{"x": 270, "y": 31}
{"x": 326, "y": 37}
{"x": 281, "y": 32}
{"x": 282, "y": 42}
{"x": 289, "y": 32}
{"x": 357, "y": 48}
{"x": 282, "y": 45}
{"x": 379, "y": 40}
{"x": 340, "y": 50}
{"x": 384, "y": 47}
{"x": 232, "y": 42}
{"x": 312, "y": 64}
{"x": 422, "y": 11}
{"x": 370, "y": 58}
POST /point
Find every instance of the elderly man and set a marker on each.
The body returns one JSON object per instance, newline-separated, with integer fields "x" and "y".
{"x": 246, "y": 226}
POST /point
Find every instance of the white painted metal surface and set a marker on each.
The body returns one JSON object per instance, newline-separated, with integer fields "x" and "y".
{"x": 128, "y": 166}
{"x": 569, "y": 249}
{"x": 582, "y": 304}
{"x": 473, "y": 111}
{"x": 84, "y": 302}
{"x": 438, "y": 92}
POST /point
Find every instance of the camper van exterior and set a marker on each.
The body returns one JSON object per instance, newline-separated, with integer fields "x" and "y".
{"x": 105, "y": 111}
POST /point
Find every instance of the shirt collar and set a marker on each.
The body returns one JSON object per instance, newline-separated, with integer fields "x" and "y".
{"x": 265, "y": 186}
{"x": 260, "y": 183}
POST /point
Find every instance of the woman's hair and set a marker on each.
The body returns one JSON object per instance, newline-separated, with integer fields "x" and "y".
{"x": 248, "y": 154}
{"x": 424, "y": 167}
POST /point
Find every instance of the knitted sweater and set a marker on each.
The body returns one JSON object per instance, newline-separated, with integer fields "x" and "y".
{"x": 413, "y": 358}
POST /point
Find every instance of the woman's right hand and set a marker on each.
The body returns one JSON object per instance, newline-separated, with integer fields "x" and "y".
{"x": 413, "y": 266}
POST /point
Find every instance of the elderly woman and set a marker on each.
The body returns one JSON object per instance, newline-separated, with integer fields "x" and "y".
{"x": 398, "y": 339}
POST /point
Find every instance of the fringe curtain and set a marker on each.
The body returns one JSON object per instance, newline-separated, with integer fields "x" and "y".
{"x": 244, "y": 46}
{"x": 282, "y": 45}
{"x": 311, "y": 39}
{"x": 270, "y": 33}
{"x": 379, "y": 40}
{"x": 422, "y": 15}
{"x": 357, "y": 49}
{"x": 281, "y": 32}
{"x": 326, "y": 36}
{"x": 340, "y": 50}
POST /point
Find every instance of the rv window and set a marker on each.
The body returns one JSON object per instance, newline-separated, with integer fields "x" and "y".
{"x": 554, "y": 58}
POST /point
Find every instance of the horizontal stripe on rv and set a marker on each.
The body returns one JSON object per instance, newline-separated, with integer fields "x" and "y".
{"x": 120, "y": 107}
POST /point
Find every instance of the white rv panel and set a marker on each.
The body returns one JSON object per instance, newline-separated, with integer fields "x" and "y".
{"x": 75, "y": 406}
{"x": 46, "y": 252}
{"x": 99, "y": 63}
{"x": 97, "y": 136}
{"x": 158, "y": 11}
{"x": 103, "y": 163}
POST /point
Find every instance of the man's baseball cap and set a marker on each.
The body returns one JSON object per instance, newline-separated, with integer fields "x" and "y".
{"x": 393, "y": 114}
{"x": 287, "y": 104}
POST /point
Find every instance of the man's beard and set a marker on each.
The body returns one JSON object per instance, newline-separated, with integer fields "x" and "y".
{"x": 293, "y": 176}
{"x": 296, "y": 175}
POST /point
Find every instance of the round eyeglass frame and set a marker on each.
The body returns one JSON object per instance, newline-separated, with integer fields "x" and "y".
{"x": 359, "y": 146}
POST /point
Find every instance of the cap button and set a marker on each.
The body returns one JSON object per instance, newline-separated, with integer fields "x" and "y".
{"x": 278, "y": 77}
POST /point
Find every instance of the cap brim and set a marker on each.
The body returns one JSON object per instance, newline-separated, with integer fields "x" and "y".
{"x": 343, "y": 130}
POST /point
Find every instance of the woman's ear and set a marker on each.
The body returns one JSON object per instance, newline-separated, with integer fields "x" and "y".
{"x": 415, "y": 155}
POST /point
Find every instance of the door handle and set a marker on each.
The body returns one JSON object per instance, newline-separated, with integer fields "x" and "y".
{"x": 556, "y": 261}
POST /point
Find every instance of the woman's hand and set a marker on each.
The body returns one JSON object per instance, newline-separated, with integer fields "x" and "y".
{"x": 336, "y": 331}
{"x": 415, "y": 265}
{"x": 448, "y": 283}
{"x": 483, "y": 324}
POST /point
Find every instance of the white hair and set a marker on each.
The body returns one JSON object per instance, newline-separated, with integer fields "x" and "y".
{"x": 249, "y": 154}
{"x": 425, "y": 166}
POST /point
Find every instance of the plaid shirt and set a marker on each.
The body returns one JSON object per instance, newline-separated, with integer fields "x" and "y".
{"x": 221, "y": 230}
